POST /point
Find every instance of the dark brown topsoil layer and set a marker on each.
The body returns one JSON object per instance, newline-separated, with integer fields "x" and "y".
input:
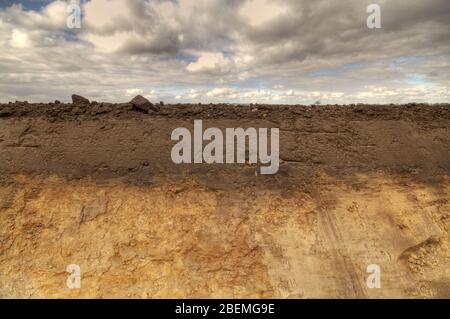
{"x": 67, "y": 111}
{"x": 105, "y": 140}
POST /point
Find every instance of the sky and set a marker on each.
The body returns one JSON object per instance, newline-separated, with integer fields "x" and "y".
{"x": 233, "y": 51}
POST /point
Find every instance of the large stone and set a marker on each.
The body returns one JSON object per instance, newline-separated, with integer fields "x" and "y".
{"x": 143, "y": 104}
{"x": 79, "y": 100}
{"x": 5, "y": 112}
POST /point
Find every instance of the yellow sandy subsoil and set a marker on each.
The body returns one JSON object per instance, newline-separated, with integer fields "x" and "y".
{"x": 183, "y": 239}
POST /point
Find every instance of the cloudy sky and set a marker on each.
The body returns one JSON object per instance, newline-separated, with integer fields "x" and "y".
{"x": 237, "y": 51}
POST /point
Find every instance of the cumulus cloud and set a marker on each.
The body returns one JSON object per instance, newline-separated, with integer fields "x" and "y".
{"x": 19, "y": 39}
{"x": 222, "y": 93}
{"x": 133, "y": 92}
{"x": 208, "y": 62}
{"x": 51, "y": 17}
{"x": 269, "y": 51}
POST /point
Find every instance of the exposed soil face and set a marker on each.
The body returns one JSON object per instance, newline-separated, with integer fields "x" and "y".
{"x": 117, "y": 140}
{"x": 94, "y": 185}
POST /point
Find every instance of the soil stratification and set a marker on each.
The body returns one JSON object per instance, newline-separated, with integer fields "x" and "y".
{"x": 93, "y": 184}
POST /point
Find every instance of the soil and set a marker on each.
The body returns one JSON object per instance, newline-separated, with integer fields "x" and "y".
{"x": 95, "y": 185}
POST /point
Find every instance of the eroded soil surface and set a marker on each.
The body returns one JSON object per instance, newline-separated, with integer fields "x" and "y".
{"x": 94, "y": 185}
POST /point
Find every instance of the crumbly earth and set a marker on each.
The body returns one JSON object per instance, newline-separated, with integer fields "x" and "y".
{"x": 94, "y": 185}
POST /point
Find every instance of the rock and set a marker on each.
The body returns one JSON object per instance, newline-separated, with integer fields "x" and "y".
{"x": 124, "y": 106}
{"x": 79, "y": 100}
{"x": 96, "y": 109}
{"x": 143, "y": 104}
{"x": 5, "y": 112}
{"x": 78, "y": 110}
{"x": 101, "y": 108}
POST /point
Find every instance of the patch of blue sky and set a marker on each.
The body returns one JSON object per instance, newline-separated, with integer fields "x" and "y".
{"x": 180, "y": 56}
{"x": 34, "y": 5}
{"x": 417, "y": 79}
{"x": 254, "y": 83}
{"x": 400, "y": 63}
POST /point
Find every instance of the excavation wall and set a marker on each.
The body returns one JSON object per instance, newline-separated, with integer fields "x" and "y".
{"x": 95, "y": 186}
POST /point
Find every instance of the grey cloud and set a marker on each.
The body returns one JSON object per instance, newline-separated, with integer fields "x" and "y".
{"x": 310, "y": 36}
{"x": 312, "y": 29}
{"x": 164, "y": 43}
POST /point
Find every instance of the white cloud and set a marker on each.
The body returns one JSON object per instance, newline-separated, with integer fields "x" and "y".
{"x": 208, "y": 62}
{"x": 19, "y": 39}
{"x": 193, "y": 94}
{"x": 107, "y": 15}
{"x": 222, "y": 93}
{"x": 51, "y": 17}
{"x": 133, "y": 92}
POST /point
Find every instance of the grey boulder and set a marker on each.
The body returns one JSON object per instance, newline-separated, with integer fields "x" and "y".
{"x": 79, "y": 100}
{"x": 143, "y": 104}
